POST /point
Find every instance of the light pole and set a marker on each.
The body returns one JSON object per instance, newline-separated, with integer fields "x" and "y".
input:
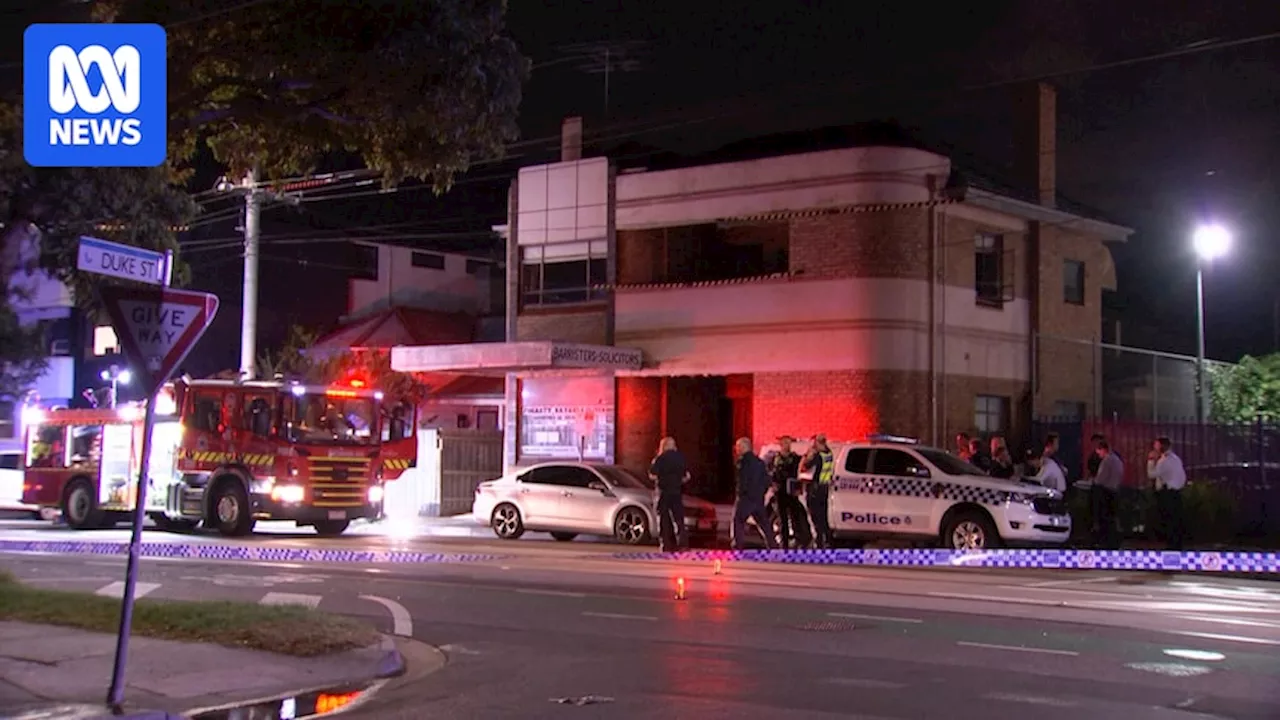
{"x": 117, "y": 376}
{"x": 1211, "y": 242}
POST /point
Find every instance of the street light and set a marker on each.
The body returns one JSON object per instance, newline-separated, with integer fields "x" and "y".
{"x": 117, "y": 376}
{"x": 1211, "y": 242}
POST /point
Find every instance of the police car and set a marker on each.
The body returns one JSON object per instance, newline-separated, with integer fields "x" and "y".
{"x": 892, "y": 487}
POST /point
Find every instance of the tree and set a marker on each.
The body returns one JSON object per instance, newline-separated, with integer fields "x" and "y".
{"x": 1247, "y": 390}
{"x": 370, "y": 365}
{"x": 22, "y": 352}
{"x": 414, "y": 88}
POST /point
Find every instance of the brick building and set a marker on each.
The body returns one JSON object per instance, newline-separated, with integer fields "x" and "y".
{"x": 844, "y": 291}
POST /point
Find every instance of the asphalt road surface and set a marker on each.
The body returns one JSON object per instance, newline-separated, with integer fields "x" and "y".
{"x": 551, "y": 622}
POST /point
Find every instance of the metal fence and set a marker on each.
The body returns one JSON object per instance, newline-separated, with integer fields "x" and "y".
{"x": 1233, "y": 469}
{"x": 1123, "y": 383}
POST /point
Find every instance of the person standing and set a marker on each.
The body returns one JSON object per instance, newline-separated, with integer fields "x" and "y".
{"x": 1002, "y": 463}
{"x": 1104, "y": 493}
{"x": 1165, "y": 468}
{"x": 753, "y": 485}
{"x": 784, "y": 468}
{"x": 978, "y": 456}
{"x": 670, "y": 472}
{"x": 818, "y": 495}
{"x": 1048, "y": 471}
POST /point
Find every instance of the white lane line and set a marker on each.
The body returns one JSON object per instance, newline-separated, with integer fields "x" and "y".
{"x": 116, "y": 590}
{"x": 1030, "y": 699}
{"x": 552, "y": 593}
{"x": 1231, "y": 621}
{"x": 401, "y": 621}
{"x": 866, "y": 683}
{"x": 1016, "y": 648}
{"x": 1056, "y": 583}
{"x": 996, "y": 598}
{"x": 1229, "y": 638}
{"x": 620, "y": 616}
{"x": 856, "y": 616}
{"x": 275, "y": 598}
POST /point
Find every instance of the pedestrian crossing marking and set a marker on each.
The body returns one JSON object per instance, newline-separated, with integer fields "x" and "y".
{"x": 275, "y": 598}
{"x": 116, "y": 589}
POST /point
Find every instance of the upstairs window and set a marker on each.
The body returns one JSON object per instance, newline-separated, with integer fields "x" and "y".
{"x": 478, "y": 267}
{"x": 1073, "y": 282}
{"x": 988, "y": 267}
{"x": 548, "y": 279}
{"x": 431, "y": 261}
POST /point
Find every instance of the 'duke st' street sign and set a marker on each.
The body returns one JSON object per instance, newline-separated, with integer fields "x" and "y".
{"x": 121, "y": 261}
{"x": 157, "y": 327}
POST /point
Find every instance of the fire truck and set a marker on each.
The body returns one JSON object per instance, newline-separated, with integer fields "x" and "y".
{"x": 227, "y": 454}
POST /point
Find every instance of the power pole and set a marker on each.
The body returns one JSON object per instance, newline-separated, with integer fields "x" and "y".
{"x": 606, "y": 58}
{"x": 249, "y": 305}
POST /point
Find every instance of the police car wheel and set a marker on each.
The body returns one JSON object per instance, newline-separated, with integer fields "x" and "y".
{"x": 970, "y": 531}
{"x": 506, "y": 522}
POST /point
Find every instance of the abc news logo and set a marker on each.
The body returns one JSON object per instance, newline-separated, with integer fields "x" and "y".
{"x": 69, "y": 91}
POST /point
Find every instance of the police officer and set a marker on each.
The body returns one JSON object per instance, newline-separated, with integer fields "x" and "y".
{"x": 670, "y": 472}
{"x": 753, "y": 484}
{"x": 784, "y": 468}
{"x": 820, "y": 460}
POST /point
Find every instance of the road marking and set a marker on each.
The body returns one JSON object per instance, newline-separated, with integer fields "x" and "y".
{"x": 275, "y": 598}
{"x": 554, "y": 593}
{"x": 620, "y": 616}
{"x": 1056, "y": 583}
{"x": 459, "y": 650}
{"x": 1229, "y": 638}
{"x": 867, "y": 683}
{"x": 856, "y": 616}
{"x": 781, "y": 583}
{"x": 1231, "y": 621}
{"x": 1031, "y": 699}
{"x": 997, "y": 598}
{"x": 116, "y": 589}
{"x": 401, "y": 621}
{"x": 1016, "y": 648}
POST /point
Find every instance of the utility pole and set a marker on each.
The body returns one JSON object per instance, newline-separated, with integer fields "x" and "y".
{"x": 606, "y": 58}
{"x": 249, "y": 304}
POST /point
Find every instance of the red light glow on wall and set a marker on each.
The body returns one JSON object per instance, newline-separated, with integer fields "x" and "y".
{"x": 805, "y": 404}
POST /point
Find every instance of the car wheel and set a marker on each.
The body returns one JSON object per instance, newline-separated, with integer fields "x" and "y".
{"x": 80, "y": 507}
{"x": 506, "y": 522}
{"x": 970, "y": 531}
{"x": 564, "y": 536}
{"x": 631, "y": 527}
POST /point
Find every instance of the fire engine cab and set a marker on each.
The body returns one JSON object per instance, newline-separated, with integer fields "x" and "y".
{"x": 227, "y": 454}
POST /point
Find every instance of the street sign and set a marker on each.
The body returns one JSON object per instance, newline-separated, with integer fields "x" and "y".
{"x": 121, "y": 261}
{"x": 157, "y": 327}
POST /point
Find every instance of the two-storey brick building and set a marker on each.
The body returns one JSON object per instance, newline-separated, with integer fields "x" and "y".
{"x": 850, "y": 290}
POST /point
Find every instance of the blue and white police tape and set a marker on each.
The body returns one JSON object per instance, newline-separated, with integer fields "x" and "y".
{"x": 1158, "y": 560}
{"x": 245, "y": 553}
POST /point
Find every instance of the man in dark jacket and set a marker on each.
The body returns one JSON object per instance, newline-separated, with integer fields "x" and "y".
{"x": 784, "y": 468}
{"x": 670, "y": 472}
{"x": 753, "y": 484}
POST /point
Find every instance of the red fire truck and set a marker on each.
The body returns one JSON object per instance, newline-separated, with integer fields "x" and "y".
{"x": 227, "y": 454}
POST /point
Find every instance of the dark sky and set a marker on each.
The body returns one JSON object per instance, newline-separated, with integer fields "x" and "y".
{"x": 1157, "y": 145}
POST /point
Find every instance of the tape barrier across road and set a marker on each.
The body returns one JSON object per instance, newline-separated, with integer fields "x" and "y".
{"x": 246, "y": 553}
{"x": 1167, "y": 561}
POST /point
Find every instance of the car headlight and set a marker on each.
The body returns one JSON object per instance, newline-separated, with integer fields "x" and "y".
{"x": 1014, "y": 498}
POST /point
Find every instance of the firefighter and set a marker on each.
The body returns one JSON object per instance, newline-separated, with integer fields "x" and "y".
{"x": 820, "y": 460}
{"x": 784, "y": 468}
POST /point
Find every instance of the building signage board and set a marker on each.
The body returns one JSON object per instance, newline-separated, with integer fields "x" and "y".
{"x": 514, "y": 357}
{"x": 596, "y": 356}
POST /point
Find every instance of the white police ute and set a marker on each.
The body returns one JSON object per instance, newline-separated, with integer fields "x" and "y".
{"x": 891, "y": 487}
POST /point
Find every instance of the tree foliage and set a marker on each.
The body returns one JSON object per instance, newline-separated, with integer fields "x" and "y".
{"x": 414, "y": 88}
{"x": 22, "y": 352}
{"x": 1246, "y": 391}
{"x": 293, "y": 361}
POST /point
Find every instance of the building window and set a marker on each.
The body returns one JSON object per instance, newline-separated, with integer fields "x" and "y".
{"x": 988, "y": 269}
{"x": 546, "y": 279}
{"x": 478, "y": 267}
{"x": 991, "y": 414}
{"x": 8, "y": 423}
{"x": 1073, "y": 282}
{"x": 105, "y": 341}
{"x": 431, "y": 261}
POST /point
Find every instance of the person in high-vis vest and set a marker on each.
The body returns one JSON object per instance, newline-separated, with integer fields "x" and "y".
{"x": 818, "y": 495}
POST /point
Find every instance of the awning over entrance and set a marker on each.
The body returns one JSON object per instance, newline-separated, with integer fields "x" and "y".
{"x": 514, "y": 357}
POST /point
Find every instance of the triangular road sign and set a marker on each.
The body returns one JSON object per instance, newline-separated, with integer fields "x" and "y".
{"x": 157, "y": 327}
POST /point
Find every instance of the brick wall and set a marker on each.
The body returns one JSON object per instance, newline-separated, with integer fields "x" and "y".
{"x": 958, "y": 406}
{"x": 842, "y": 404}
{"x": 585, "y": 325}
{"x": 958, "y": 256}
{"x": 888, "y": 243}
{"x": 638, "y": 426}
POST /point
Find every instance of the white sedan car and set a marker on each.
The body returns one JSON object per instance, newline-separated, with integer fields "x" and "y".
{"x": 567, "y": 499}
{"x": 11, "y": 478}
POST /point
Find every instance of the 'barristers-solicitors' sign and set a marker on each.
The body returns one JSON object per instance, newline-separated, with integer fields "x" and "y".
{"x": 587, "y": 356}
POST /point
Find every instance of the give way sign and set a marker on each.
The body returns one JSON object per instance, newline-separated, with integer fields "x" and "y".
{"x": 157, "y": 327}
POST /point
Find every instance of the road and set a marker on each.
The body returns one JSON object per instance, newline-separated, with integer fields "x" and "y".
{"x": 545, "y": 621}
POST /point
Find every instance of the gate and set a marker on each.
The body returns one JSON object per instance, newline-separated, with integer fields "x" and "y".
{"x": 450, "y": 465}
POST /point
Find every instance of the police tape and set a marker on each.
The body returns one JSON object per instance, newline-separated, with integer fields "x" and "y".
{"x": 1157, "y": 560}
{"x": 244, "y": 553}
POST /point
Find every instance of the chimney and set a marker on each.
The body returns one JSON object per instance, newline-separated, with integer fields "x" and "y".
{"x": 571, "y": 139}
{"x": 1036, "y": 141}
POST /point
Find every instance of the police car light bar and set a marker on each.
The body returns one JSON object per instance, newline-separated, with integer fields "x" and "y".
{"x": 897, "y": 439}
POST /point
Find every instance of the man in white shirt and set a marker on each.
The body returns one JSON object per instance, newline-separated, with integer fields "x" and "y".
{"x": 1164, "y": 467}
{"x": 1049, "y": 473}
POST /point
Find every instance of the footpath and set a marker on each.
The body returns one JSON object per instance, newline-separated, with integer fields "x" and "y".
{"x": 52, "y": 673}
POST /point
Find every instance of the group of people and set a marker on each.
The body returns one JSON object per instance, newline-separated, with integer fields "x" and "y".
{"x": 670, "y": 473}
{"x": 1104, "y": 476}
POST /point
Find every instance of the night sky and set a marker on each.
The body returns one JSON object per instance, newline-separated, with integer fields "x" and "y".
{"x": 1156, "y": 144}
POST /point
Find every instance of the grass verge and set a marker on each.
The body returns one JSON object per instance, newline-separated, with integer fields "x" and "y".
{"x": 288, "y": 630}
